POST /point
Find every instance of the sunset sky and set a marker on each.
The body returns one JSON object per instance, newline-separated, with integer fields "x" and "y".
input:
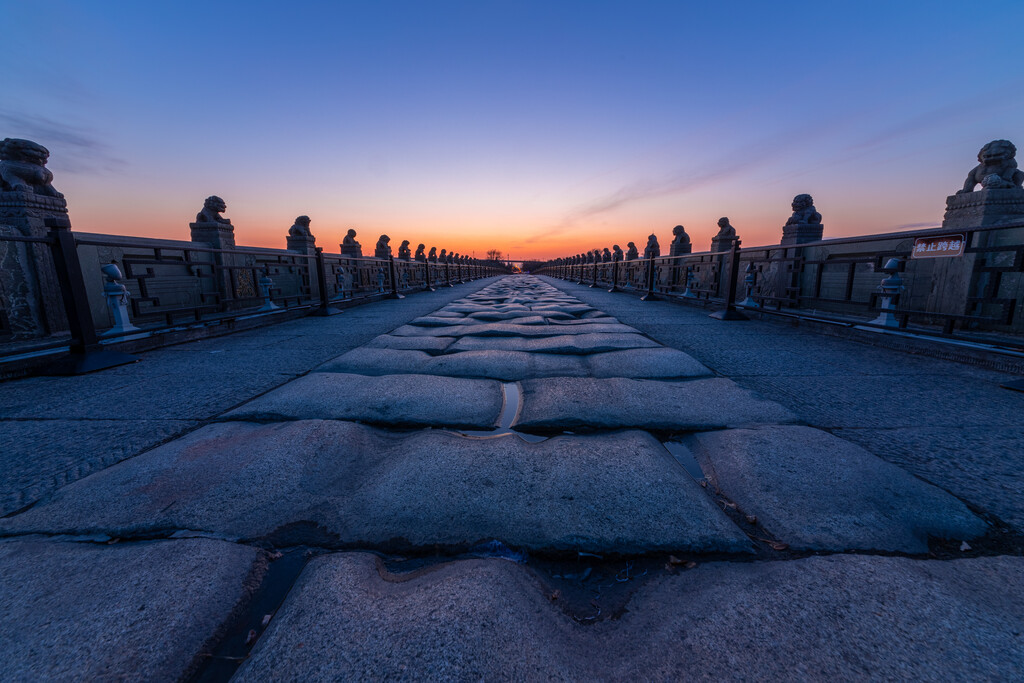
{"x": 537, "y": 128}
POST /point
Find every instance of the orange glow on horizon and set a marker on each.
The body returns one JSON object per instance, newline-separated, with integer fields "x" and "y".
{"x": 526, "y": 236}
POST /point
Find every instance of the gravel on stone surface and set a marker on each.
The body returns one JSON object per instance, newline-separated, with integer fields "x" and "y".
{"x": 615, "y": 403}
{"x": 839, "y": 617}
{"x": 816, "y": 491}
{"x": 139, "y": 611}
{"x": 395, "y": 400}
{"x": 365, "y": 487}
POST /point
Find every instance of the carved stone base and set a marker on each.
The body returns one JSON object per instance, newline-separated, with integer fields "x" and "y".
{"x": 801, "y": 233}
{"x": 29, "y": 290}
{"x": 722, "y": 243}
{"x": 984, "y": 208}
{"x": 217, "y": 235}
{"x": 305, "y": 244}
{"x": 351, "y": 252}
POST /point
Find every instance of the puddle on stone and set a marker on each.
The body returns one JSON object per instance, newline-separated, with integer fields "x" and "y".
{"x": 683, "y": 456}
{"x": 513, "y": 402}
{"x": 509, "y": 415}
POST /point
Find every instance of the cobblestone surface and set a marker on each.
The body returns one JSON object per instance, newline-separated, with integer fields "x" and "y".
{"x": 410, "y": 438}
{"x": 55, "y": 430}
{"x": 948, "y": 423}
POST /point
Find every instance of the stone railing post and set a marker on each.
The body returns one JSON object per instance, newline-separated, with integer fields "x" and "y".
{"x": 215, "y": 231}
{"x": 650, "y": 295}
{"x": 302, "y": 241}
{"x": 394, "y": 279}
{"x": 730, "y": 312}
{"x": 86, "y": 353}
{"x": 324, "y": 309}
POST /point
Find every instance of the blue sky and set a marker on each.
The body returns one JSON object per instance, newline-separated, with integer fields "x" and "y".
{"x": 536, "y": 128}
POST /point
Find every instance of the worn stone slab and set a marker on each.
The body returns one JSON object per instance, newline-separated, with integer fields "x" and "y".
{"x": 821, "y": 618}
{"x": 575, "y": 307}
{"x": 393, "y": 400}
{"x": 598, "y": 318}
{"x": 387, "y": 341}
{"x": 369, "y": 488}
{"x": 517, "y": 316}
{"x": 578, "y": 344}
{"x": 646, "y": 363}
{"x": 462, "y": 308}
{"x": 468, "y": 620}
{"x": 509, "y": 366}
{"x": 443, "y": 313}
{"x": 371, "y": 361}
{"x": 440, "y": 321}
{"x": 39, "y": 456}
{"x": 819, "y": 492}
{"x": 974, "y": 462}
{"x": 614, "y": 403}
{"x": 140, "y": 612}
{"x": 510, "y": 330}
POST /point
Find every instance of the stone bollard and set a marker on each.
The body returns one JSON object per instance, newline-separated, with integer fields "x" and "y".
{"x": 688, "y": 292}
{"x": 890, "y": 287}
{"x": 265, "y": 284}
{"x": 117, "y": 301}
{"x": 750, "y": 280}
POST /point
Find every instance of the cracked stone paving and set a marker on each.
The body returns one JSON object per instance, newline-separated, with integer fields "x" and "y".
{"x": 515, "y": 480}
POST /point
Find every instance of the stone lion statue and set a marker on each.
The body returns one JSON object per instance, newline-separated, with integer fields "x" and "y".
{"x": 725, "y": 229}
{"x": 617, "y": 253}
{"x": 432, "y": 256}
{"x": 631, "y": 251}
{"x": 420, "y": 256}
{"x": 404, "y": 252}
{"x": 803, "y": 211}
{"x": 212, "y": 208}
{"x": 606, "y": 255}
{"x": 23, "y": 168}
{"x": 653, "y": 249}
{"x": 383, "y": 249}
{"x": 680, "y": 242}
{"x": 300, "y": 228}
{"x": 996, "y": 169}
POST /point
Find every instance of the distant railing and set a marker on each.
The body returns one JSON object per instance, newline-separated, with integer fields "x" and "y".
{"x": 978, "y": 290}
{"x": 161, "y": 285}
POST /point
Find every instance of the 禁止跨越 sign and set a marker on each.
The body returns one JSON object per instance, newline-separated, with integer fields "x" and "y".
{"x": 938, "y": 247}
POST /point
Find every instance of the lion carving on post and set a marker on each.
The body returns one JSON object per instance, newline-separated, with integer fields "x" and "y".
{"x": 996, "y": 169}
{"x": 212, "y": 208}
{"x": 804, "y": 212}
{"x": 23, "y": 168}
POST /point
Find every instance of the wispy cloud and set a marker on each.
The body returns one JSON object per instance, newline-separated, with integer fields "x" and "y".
{"x": 958, "y": 111}
{"x": 915, "y": 226}
{"x": 701, "y": 173}
{"x": 80, "y": 150}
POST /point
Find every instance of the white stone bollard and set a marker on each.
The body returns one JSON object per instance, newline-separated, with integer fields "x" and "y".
{"x": 889, "y": 287}
{"x": 265, "y": 284}
{"x": 117, "y": 301}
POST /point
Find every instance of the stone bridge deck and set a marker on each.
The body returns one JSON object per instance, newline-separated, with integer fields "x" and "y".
{"x": 517, "y": 479}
